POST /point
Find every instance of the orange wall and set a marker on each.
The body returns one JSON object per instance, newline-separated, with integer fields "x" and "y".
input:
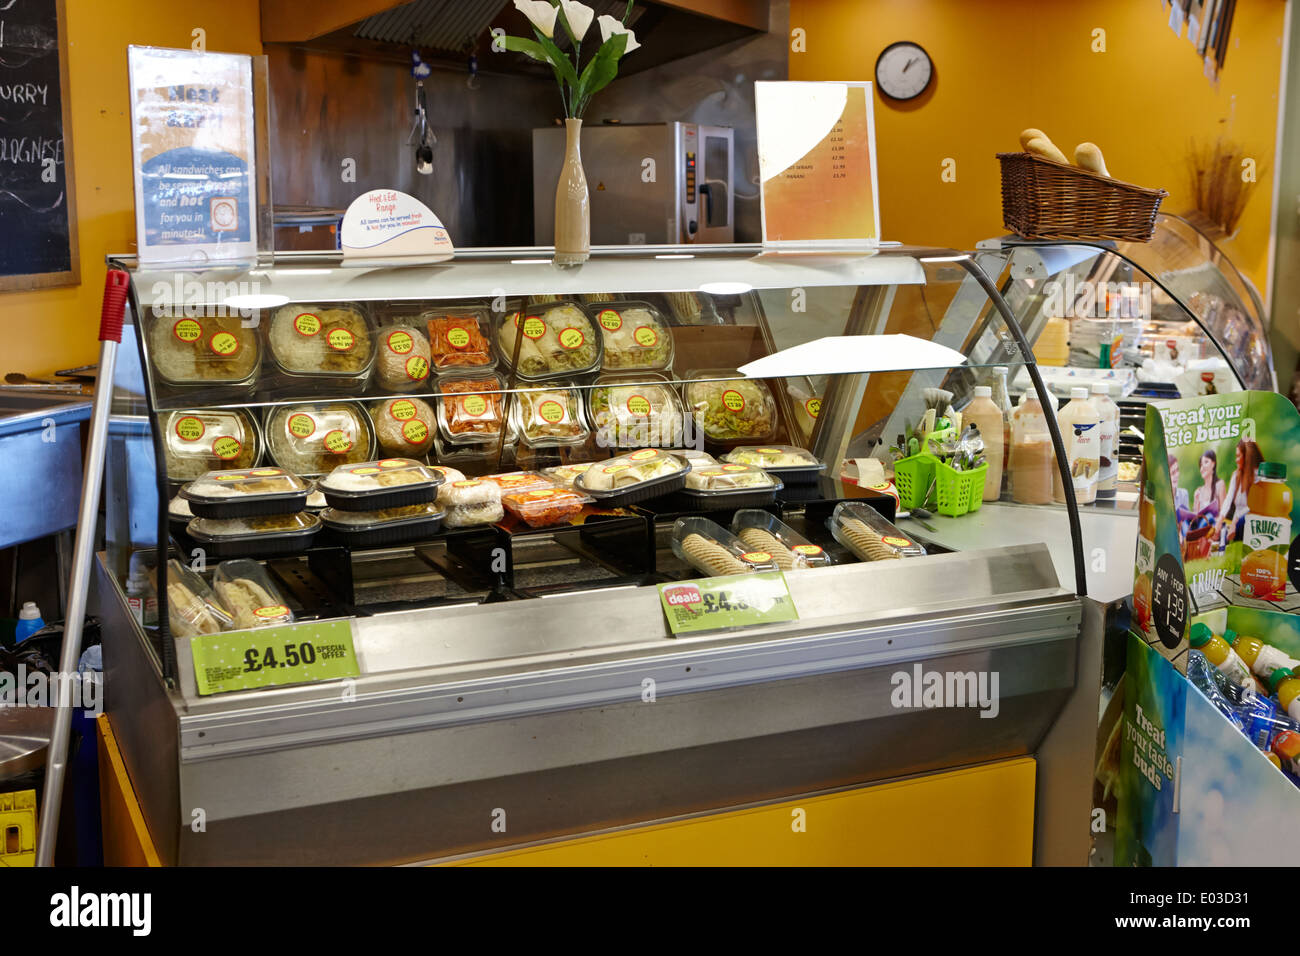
{"x": 1002, "y": 65}
{"x": 57, "y": 328}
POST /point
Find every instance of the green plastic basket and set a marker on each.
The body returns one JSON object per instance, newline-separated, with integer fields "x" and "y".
{"x": 912, "y": 477}
{"x": 960, "y": 491}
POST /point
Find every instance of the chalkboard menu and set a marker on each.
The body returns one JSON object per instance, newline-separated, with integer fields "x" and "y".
{"x": 38, "y": 245}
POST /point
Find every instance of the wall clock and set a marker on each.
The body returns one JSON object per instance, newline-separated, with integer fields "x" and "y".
{"x": 904, "y": 70}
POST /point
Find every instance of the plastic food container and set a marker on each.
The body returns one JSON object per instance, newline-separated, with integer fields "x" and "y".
{"x": 192, "y": 608}
{"x": 179, "y": 512}
{"x": 807, "y": 406}
{"x": 543, "y": 507}
{"x": 761, "y": 531}
{"x": 459, "y": 337}
{"x": 549, "y": 417}
{"x": 246, "y": 493}
{"x": 692, "y": 308}
{"x": 636, "y": 411}
{"x": 562, "y": 476}
{"x": 197, "y": 442}
{"x": 403, "y": 359}
{"x": 324, "y": 345}
{"x": 471, "y": 408}
{"x": 730, "y": 486}
{"x": 471, "y": 501}
{"x": 714, "y": 551}
{"x": 636, "y": 336}
{"x": 636, "y": 476}
{"x": 404, "y": 427}
{"x": 387, "y": 526}
{"x": 513, "y": 481}
{"x": 697, "y": 459}
{"x": 794, "y": 466}
{"x": 204, "y": 351}
{"x": 595, "y": 298}
{"x": 734, "y": 411}
{"x": 264, "y": 536}
{"x": 376, "y": 485}
{"x": 316, "y": 439}
{"x": 248, "y": 593}
{"x": 558, "y": 339}
{"x": 471, "y": 459}
{"x": 862, "y": 530}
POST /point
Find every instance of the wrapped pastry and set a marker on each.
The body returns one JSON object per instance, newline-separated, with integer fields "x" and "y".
{"x": 246, "y": 590}
{"x": 635, "y": 336}
{"x": 554, "y": 340}
{"x": 404, "y": 358}
{"x": 404, "y": 427}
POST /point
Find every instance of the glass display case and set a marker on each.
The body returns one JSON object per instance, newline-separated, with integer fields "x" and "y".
{"x": 484, "y": 470}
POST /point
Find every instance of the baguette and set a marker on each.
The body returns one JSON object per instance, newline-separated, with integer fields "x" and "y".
{"x": 1088, "y": 156}
{"x": 1029, "y": 134}
{"x": 1044, "y": 148}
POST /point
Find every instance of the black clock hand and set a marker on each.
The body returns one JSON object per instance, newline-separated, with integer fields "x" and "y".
{"x": 909, "y": 64}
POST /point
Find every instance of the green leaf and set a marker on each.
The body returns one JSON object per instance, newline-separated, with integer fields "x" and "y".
{"x": 527, "y": 47}
{"x": 600, "y": 72}
{"x": 562, "y": 64}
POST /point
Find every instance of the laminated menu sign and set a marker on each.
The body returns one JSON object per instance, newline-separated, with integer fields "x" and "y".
{"x": 738, "y": 600}
{"x": 192, "y": 132}
{"x": 273, "y": 656}
{"x": 817, "y": 163}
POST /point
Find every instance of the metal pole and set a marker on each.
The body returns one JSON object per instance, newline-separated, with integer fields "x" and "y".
{"x": 110, "y": 335}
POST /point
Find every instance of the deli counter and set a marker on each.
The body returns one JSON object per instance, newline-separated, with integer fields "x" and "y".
{"x": 517, "y": 687}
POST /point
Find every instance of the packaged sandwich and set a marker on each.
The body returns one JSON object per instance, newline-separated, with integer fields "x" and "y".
{"x": 635, "y": 411}
{"x": 792, "y": 465}
{"x": 375, "y": 485}
{"x": 403, "y": 362}
{"x": 247, "y": 592}
{"x": 761, "y": 531}
{"x": 198, "y": 441}
{"x": 636, "y": 476}
{"x": 458, "y": 338}
{"x": 549, "y": 417}
{"x": 807, "y": 406}
{"x": 692, "y": 308}
{"x": 543, "y": 507}
{"x": 714, "y": 551}
{"x": 316, "y": 439}
{"x": 384, "y": 527}
{"x": 696, "y": 459}
{"x": 470, "y": 410}
{"x": 325, "y": 345}
{"x": 554, "y": 340}
{"x": 204, "y": 351}
{"x": 635, "y": 335}
{"x": 730, "y": 486}
{"x": 471, "y": 501}
{"x": 863, "y": 530}
{"x": 731, "y": 411}
{"x": 259, "y": 537}
{"x": 404, "y": 427}
{"x": 245, "y": 493}
{"x": 192, "y": 608}
{"x": 562, "y": 476}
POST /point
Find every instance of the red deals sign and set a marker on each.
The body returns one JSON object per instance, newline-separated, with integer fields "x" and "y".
{"x": 683, "y": 595}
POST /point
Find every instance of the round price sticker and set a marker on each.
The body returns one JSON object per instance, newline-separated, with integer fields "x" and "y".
{"x": 813, "y": 406}
{"x": 896, "y": 541}
{"x": 645, "y": 336}
{"x": 551, "y": 412}
{"x": 543, "y": 493}
{"x": 458, "y": 337}
{"x": 337, "y": 442}
{"x": 400, "y": 342}
{"x": 187, "y": 330}
{"x": 271, "y": 611}
{"x": 307, "y": 323}
{"x": 475, "y": 406}
{"x": 769, "y": 451}
{"x": 403, "y": 409}
{"x": 733, "y": 400}
{"x": 226, "y": 448}
{"x": 615, "y": 469}
{"x": 469, "y": 483}
{"x": 735, "y": 468}
{"x": 638, "y": 405}
{"x": 367, "y": 470}
{"x": 571, "y": 339}
{"x": 756, "y": 557}
{"x": 415, "y": 431}
{"x": 534, "y": 328}
{"x": 302, "y": 425}
{"x": 189, "y": 428}
{"x": 417, "y": 368}
{"x": 340, "y": 339}
{"x": 235, "y": 477}
{"x": 265, "y": 472}
{"x": 806, "y": 549}
{"x": 395, "y": 463}
{"x": 610, "y": 320}
{"x": 644, "y": 454}
{"x": 224, "y": 343}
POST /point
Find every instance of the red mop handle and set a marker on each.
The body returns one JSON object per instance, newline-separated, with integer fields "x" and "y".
{"x": 116, "y": 284}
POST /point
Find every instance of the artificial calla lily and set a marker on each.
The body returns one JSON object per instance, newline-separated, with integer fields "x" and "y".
{"x": 579, "y": 16}
{"x": 610, "y": 27}
{"x": 541, "y": 14}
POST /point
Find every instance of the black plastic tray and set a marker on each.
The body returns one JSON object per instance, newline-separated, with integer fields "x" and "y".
{"x": 655, "y": 488}
{"x": 399, "y": 532}
{"x": 797, "y": 474}
{"x": 421, "y": 494}
{"x": 253, "y": 507}
{"x": 695, "y": 501}
{"x": 270, "y": 546}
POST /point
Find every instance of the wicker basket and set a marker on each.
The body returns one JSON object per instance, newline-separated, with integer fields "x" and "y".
{"x": 1046, "y": 200}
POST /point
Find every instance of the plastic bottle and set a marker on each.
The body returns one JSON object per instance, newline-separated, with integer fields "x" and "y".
{"x": 987, "y": 417}
{"x": 29, "y": 622}
{"x": 1260, "y": 657}
{"x": 1108, "y": 440}
{"x": 1287, "y": 748}
{"x": 1267, "y": 534}
{"x": 1032, "y": 459}
{"x": 1212, "y": 684}
{"x": 1218, "y": 653}
{"x": 1262, "y": 722}
{"x": 1002, "y": 399}
{"x": 1079, "y": 423}
{"x": 1285, "y": 686}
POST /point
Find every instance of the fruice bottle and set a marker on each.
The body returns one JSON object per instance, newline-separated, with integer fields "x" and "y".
{"x": 1284, "y": 685}
{"x": 1260, "y": 657}
{"x": 1218, "y": 653}
{"x": 1267, "y": 534}
{"x": 1108, "y": 440}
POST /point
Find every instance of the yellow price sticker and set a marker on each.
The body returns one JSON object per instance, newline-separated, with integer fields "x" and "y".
{"x": 224, "y": 343}
{"x": 189, "y": 428}
{"x": 307, "y": 324}
{"x": 187, "y": 330}
{"x": 417, "y": 368}
{"x": 610, "y": 320}
{"x": 400, "y": 342}
{"x": 226, "y": 448}
{"x": 302, "y": 425}
{"x": 645, "y": 336}
{"x": 457, "y": 337}
{"x": 415, "y": 432}
{"x": 571, "y": 339}
{"x": 733, "y": 400}
{"x": 337, "y": 442}
{"x": 340, "y": 340}
{"x": 403, "y": 409}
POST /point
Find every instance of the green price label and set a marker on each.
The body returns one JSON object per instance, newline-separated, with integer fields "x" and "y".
{"x": 737, "y": 600}
{"x": 274, "y": 656}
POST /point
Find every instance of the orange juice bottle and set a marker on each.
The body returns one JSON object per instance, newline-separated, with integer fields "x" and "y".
{"x": 1218, "y": 653}
{"x": 1260, "y": 657}
{"x": 1267, "y": 535}
{"x": 1286, "y": 687}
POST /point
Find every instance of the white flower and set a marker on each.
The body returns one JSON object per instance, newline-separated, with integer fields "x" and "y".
{"x": 609, "y": 26}
{"x": 579, "y": 16}
{"x": 540, "y": 13}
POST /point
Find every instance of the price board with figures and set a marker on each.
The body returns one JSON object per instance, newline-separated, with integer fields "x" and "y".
{"x": 273, "y": 656}
{"x": 741, "y": 600}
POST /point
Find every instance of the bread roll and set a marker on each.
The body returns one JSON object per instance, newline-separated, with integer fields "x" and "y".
{"x": 1088, "y": 156}
{"x": 1027, "y": 134}
{"x": 1044, "y": 148}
